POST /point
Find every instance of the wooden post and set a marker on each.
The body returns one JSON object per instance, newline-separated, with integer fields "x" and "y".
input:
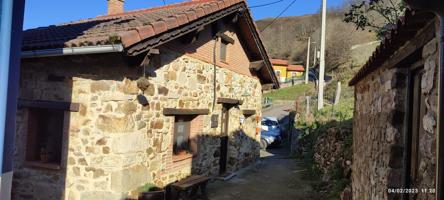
{"x": 307, "y": 112}
{"x": 338, "y": 93}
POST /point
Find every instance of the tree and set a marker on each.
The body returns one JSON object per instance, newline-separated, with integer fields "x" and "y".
{"x": 375, "y": 15}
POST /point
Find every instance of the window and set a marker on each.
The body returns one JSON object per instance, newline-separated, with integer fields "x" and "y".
{"x": 182, "y": 128}
{"x": 223, "y": 51}
{"x": 186, "y": 128}
{"x": 278, "y": 73}
{"x": 45, "y": 133}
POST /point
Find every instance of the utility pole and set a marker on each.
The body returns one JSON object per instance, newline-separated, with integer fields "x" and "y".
{"x": 11, "y": 26}
{"x": 322, "y": 59}
{"x": 315, "y": 54}
{"x": 308, "y": 60}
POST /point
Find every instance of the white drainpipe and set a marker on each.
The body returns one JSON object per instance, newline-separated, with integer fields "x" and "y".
{"x": 73, "y": 51}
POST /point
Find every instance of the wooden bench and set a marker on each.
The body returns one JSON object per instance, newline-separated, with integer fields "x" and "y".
{"x": 187, "y": 189}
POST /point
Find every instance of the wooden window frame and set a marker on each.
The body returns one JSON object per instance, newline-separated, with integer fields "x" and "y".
{"x": 192, "y": 137}
{"x": 416, "y": 109}
{"x": 65, "y": 108}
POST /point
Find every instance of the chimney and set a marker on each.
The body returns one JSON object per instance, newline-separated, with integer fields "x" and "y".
{"x": 115, "y": 6}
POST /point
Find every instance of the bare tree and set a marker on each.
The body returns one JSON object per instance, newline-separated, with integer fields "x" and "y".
{"x": 375, "y": 15}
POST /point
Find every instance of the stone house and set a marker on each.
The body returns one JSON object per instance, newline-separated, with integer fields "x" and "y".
{"x": 111, "y": 103}
{"x": 396, "y": 113}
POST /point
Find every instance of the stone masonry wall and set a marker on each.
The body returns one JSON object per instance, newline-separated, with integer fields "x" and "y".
{"x": 377, "y": 134}
{"x": 113, "y": 144}
{"x": 379, "y": 127}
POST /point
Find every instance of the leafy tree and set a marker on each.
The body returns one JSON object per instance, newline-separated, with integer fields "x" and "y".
{"x": 375, "y": 15}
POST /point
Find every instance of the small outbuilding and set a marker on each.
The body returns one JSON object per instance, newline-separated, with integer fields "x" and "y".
{"x": 395, "y": 131}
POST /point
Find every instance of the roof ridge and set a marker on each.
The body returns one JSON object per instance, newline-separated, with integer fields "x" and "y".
{"x": 131, "y": 12}
{"x": 173, "y": 5}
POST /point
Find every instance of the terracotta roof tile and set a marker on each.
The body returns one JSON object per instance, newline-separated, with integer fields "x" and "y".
{"x": 279, "y": 62}
{"x": 298, "y": 68}
{"x": 398, "y": 36}
{"x": 128, "y": 28}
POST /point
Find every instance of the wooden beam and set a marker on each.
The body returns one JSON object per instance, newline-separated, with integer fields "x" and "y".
{"x": 417, "y": 42}
{"x": 175, "y": 111}
{"x": 68, "y": 106}
{"x": 192, "y": 37}
{"x": 225, "y": 37}
{"x": 173, "y": 34}
{"x": 257, "y": 65}
{"x": 249, "y": 112}
{"x": 229, "y": 101}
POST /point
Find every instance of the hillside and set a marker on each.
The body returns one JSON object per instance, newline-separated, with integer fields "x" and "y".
{"x": 287, "y": 37}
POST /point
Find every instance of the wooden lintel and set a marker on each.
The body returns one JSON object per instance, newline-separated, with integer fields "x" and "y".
{"x": 68, "y": 106}
{"x": 257, "y": 65}
{"x": 229, "y": 101}
{"x": 249, "y": 112}
{"x": 175, "y": 111}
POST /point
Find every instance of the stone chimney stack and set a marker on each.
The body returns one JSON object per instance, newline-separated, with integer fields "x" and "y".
{"x": 115, "y": 7}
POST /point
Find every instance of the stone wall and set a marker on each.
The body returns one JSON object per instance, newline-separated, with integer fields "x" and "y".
{"x": 379, "y": 128}
{"x": 113, "y": 144}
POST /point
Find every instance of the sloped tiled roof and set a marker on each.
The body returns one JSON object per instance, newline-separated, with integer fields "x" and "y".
{"x": 278, "y": 62}
{"x": 298, "y": 68}
{"x": 127, "y": 28}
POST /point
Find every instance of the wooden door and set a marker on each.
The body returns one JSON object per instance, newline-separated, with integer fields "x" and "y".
{"x": 224, "y": 140}
{"x": 417, "y": 110}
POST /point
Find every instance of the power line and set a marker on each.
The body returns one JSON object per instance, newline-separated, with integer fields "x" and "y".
{"x": 280, "y": 14}
{"x": 267, "y": 4}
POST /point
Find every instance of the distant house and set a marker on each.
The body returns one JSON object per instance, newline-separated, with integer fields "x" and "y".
{"x": 280, "y": 68}
{"x": 111, "y": 103}
{"x": 295, "y": 71}
{"x": 396, "y": 114}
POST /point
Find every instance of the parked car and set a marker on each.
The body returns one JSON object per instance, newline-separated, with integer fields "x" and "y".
{"x": 313, "y": 75}
{"x": 271, "y": 132}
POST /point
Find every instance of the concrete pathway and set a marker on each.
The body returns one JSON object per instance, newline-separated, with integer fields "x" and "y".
{"x": 276, "y": 177}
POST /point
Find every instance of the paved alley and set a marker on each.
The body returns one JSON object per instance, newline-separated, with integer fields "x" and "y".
{"x": 276, "y": 176}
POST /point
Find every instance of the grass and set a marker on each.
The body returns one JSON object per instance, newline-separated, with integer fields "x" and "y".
{"x": 290, "y": 93}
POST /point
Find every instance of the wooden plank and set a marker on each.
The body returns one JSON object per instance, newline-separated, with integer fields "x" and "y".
{"x": 257, "y": 65}
{"x": 229, "y": 101}
{"x": 175, "y": 111}
{"x": 68, "y": 106}
{"x": 190, "y": 181}
{"x": 249, "y": 112}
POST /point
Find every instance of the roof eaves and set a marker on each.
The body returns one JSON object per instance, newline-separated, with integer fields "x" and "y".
{"x": 392, "y": 42}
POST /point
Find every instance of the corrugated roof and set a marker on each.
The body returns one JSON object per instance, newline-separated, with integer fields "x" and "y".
{"x": 127, "y": 28}
{"x": 405, "y": 30}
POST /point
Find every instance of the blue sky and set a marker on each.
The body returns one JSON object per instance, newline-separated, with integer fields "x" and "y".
{"x": 47, "y": 12}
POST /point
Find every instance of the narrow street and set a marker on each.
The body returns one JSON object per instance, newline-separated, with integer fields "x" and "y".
{"x": 276, "y": 176}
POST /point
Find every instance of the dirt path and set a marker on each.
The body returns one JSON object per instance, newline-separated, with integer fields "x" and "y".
{"x": 275, "y": 177}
